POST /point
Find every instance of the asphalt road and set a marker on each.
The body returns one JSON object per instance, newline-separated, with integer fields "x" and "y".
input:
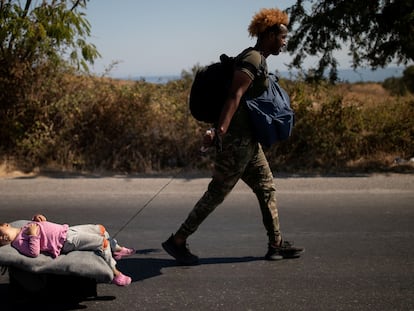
{"x": 358, "y": 233}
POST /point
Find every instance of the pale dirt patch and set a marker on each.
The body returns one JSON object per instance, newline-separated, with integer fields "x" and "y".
{"x": 367, "y": 94}
{"x": 8, "y": 169}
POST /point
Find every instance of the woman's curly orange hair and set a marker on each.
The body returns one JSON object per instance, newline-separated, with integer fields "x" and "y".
{"x": 266, "y": 18}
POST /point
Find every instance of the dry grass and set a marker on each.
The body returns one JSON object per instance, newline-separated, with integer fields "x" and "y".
{"x": 363, "y": 93}
{"x": 99, "y": 124}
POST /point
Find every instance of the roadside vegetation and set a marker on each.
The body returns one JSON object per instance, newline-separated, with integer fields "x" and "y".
{"x": 86, "y": 123}
{"x": 55, "y": 115}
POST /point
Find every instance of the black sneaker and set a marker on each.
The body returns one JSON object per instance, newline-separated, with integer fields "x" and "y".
{"x": 180, "y": 252}
{"x": 273, "y": 254}
{"x": 285, "y": 250}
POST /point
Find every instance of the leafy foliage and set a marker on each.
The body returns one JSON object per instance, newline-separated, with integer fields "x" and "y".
{"x": 377, "y": 32}
{"x": 38, "y": 40}
{"x": 34, "y": 35}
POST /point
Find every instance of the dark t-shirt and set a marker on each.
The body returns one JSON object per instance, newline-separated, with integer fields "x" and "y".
{"x": 252, "y": 63}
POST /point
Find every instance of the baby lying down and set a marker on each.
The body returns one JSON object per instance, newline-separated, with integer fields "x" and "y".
{"x": 40, "y": 236}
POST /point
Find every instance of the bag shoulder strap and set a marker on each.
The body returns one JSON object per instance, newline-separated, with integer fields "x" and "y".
{"x": 256, "y": 71}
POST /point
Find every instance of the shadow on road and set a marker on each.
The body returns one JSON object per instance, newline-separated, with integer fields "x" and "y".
{"x": 34, "y": 302}
{"x": 144, "y": 268}
{"x": 138, "y": 268}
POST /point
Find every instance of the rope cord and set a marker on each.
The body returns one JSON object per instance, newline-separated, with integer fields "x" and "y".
{"x": 147, "y": 203}
{"x": 188, "y": 116}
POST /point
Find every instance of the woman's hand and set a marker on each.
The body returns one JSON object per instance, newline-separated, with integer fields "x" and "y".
{"x": 208, "y": 138}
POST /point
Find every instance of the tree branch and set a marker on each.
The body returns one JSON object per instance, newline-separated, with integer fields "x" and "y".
{"x": 26, "y": 8}
{"x": 75, "y": 4}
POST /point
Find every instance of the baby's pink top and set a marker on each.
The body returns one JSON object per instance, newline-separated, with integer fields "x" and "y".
{"x": 49, "y": 240}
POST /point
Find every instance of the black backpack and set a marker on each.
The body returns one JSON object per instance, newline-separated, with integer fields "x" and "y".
{"x": 210, "y": 89}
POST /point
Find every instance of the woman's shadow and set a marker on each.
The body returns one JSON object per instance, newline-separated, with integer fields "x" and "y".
{"x": 147, "y": 267}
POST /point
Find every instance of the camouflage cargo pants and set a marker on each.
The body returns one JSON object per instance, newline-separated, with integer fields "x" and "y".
{"x": 241, "y": 158}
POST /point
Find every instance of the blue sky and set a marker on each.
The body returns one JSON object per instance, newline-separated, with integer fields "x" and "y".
{"x": 164, "y": 37}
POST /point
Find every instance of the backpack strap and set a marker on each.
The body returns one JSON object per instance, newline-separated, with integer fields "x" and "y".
{"x": 261, "y": 71}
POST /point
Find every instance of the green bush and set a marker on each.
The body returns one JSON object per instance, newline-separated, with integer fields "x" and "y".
{"x": 38, "y": 41}
{"x": 401, "y": 86}
{"x": 408, "y": 78}
{"x": 396, "y": 86}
